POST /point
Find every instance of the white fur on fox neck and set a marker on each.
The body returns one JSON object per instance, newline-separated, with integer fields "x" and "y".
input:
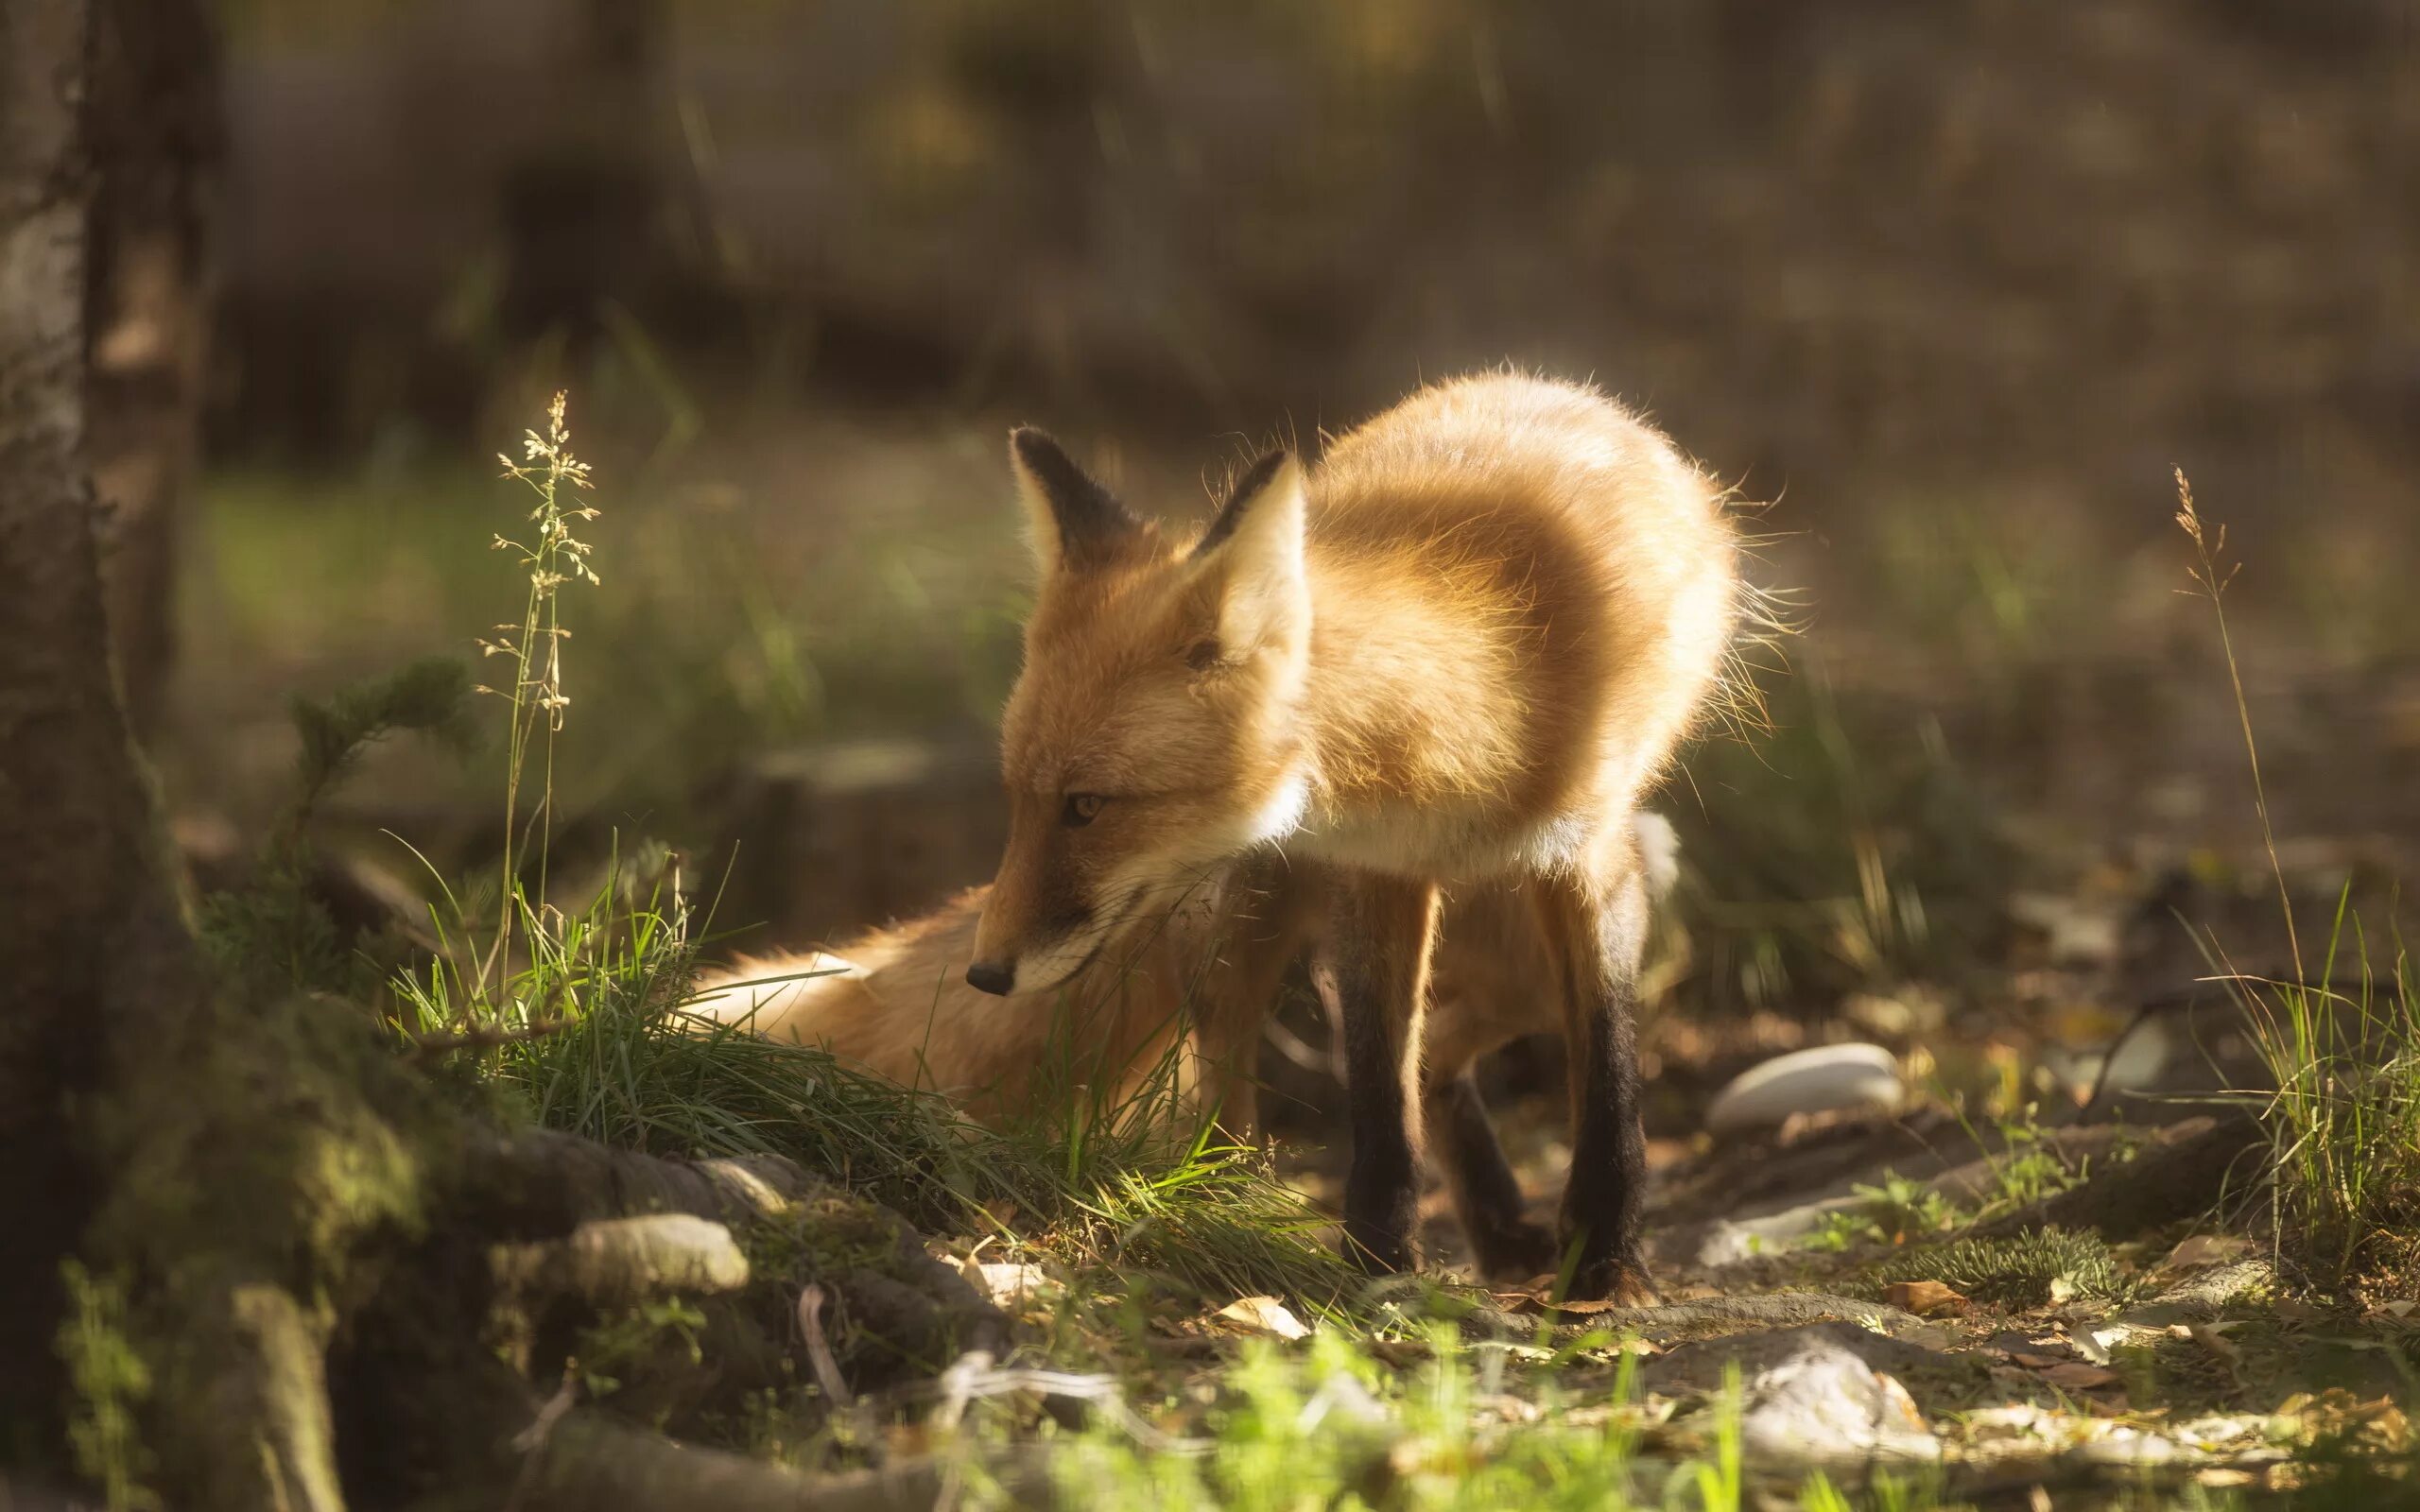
{"x": 1284, "y": 812}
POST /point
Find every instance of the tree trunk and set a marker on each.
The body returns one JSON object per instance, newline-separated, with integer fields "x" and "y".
{"x": 157, "y": 141}
{"x": 89, "y": 930}
{"x": 301, "y": 1258}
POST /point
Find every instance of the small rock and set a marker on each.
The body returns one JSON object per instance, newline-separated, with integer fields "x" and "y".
{"x": 1698, "y": 1367}
{"x": 1825, "y": 1405}
{"x": 1827, "y": 1078}
{"x": 1005, "y": 1283}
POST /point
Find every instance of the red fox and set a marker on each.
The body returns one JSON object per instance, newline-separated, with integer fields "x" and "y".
{"x": 1458, "y": 652}
{"x": 894, "y": 1002}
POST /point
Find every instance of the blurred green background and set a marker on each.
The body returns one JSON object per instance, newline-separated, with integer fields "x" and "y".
{"x": 1945, "y": 287}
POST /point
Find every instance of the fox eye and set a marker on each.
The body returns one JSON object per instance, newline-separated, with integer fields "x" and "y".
{"x": 1081, "y": 809}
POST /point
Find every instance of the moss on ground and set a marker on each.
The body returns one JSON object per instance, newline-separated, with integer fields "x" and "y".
{"x": 2026, "y": 1270}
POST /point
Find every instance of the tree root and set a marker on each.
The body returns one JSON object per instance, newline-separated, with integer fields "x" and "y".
{"x": 274, "y": 1378}
{"x": 1729, "y": 1314}
{"x": 612, "y": 1263}
{"x": 2184, "y": 1170}
{"x": 593, "y": 1464}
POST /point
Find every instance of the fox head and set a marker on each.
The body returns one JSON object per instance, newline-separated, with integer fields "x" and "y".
{"x": 1152, "y": 735}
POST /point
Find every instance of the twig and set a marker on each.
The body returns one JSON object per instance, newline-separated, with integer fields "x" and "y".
{"x": 975, "y": 1375}
{"x": 2187, "y": 997}
{"x": 593, "y": 1464}
{"x": 2213, "y": 583}
{"x": 1292, "y": 1047}
{"x": 533, "y": 1438}
{"x": 819, "y": 1348}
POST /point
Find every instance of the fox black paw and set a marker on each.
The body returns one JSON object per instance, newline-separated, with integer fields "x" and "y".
{"x": 1377, "y": 1251}
{"x": 1622, "y": 1282}
{"x": 1515, "y": 1251}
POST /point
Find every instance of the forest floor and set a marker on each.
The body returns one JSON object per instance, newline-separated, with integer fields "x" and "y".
{"x": 1997, "y": 824}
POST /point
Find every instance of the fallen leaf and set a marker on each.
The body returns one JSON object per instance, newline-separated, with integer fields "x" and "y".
{"x": 1924, "y": 1298}
{"x": 2074, "y": 1375}
{"x": 2093, "y": 1344}
{"x": 2039, "y": 1362}
{"x": 2206, "y": 1249}
{"x": 2217, "y": 1343}
{"x": 1264, "y": 1314}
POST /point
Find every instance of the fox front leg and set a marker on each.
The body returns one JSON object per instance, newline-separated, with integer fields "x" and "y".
{"x": 1376, "y": 966}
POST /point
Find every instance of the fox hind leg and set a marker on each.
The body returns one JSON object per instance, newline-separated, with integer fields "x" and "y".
{"x": 1595, "y": 926}
{"x": 1505, "y": 1241}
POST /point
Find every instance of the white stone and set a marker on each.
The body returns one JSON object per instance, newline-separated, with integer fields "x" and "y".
{"x": 1825, "y": 1405}
{"x": 1821, "y": 1080}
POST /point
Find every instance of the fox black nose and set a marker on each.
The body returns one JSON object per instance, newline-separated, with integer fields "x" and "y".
{"x": 989, "y": 976}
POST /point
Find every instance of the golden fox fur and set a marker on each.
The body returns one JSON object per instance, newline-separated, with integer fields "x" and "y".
{"x": 895, "y": 1002}
{"x": 1458, "y": 651}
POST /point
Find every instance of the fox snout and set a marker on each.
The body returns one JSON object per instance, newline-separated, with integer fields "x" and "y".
{"x": 1037, "y": 927}
{"x": 1014, "y": 951}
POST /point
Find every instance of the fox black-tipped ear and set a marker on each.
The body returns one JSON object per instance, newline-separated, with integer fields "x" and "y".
{"x": 1073, "y": 521}
{"x": 1250, "y": 558}
{"x": 1241, "y": 495}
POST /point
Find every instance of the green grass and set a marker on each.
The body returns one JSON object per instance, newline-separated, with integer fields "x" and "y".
{"x": 2344, "y": 1119}
{"x": 1094, "y": 1184}
{"x": 574, "y": 1018}
{"x": 1898, "y": 1212}
{"x": 1469, "y": 1427}
{"x": 2344, "y": 1114}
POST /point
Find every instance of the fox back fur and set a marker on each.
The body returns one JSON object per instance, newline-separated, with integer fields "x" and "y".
{"x": 1459, "y": 649}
